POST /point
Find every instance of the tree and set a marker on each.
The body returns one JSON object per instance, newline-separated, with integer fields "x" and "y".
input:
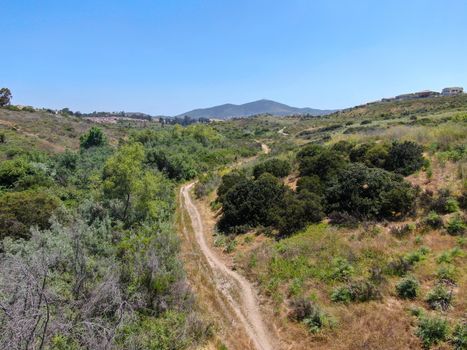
{"x": 93, "y": 138}
{"x": 5, "y": 97}
{"x": 122, "y": 175}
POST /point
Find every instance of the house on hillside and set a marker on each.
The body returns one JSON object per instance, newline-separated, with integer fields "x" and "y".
{"x": 452, "y": 91}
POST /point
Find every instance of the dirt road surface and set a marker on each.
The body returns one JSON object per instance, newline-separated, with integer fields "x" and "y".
{"x": 242, "y": 302}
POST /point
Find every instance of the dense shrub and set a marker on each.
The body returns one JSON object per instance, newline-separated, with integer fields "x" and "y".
{"x": 434, "y": 220}
{"x": 20, "y": 173}
{"x": 325, "y": 164}
{"x": 459, "y": 336}
{"x": 371, "y": 154}
{"x": 370, "y": 193}
{"x": 456, "y": 226}
{"x": 356, "y": 291}
{"x": 93, "y": 138}
{"x": 407, "y": 288}
{"x": 229, "y": 180}
{"x": 276, "y": 167}
{"x": 399, "y": 266}
{"x": 311, "y": 184}
{"x": 405, "y": 158}
{"x": 298, "y": 210}
{"x": 304, "y": 310}
{"x": 444, "y": 202}
{"x": 439, "y": 298}
{"x": 19, "y": 211}
{"x": 446, "y": 274}
{"x": 432, "y": 330}
{"x": 252, "y": 203}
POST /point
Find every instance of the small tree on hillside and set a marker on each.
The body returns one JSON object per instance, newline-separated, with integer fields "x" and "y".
{"x": 5, "y": 97}
{"x": 93, "y": 138}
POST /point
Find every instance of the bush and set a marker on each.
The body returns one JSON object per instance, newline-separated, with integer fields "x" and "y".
{"x": 93, "y": 138}
{"x": 452, "y": 205}
{"x": 304, "y": 310}
{"x": 401, "y": 231}
{"x": 370, "y": 193}
{"x": 434, "y": 220}
{"x": 298, "y": 210}
{"x": 407, "y": 288}
{"x": 446, "y": 274}
{"x": 21, "y": 210}
{"x": 439, "y": 298}
{"x": 326, "y": 164}
{"x": 432, "y": 330}
{"x": 399, "y": 266}
{"x": 405, "y": 158}
{"x": 356, "y": 291}
{"x": 444, "y": 203}
{"x": 459, "y": 336}
{"x": 276, "y": 167}
{"x": 311, "y": 184}
{"x": 252, "y": 203}
{"x": 456, "y": 226}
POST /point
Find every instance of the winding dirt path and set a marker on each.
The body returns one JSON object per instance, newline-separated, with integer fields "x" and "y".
{"x": 238, "y": 292}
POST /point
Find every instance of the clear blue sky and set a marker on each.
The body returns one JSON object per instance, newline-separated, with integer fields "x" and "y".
{"x": 169, "y": 56}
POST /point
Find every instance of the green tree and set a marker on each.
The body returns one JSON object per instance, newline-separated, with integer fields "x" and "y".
{"x": 122, "y": 175}
{"x": 5, "y": 97}
{"x": 93, "y": 138}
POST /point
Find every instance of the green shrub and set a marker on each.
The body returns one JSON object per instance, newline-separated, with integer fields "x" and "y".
{"x": 456, "y": 226}
{"x": 434, "y": 220}
{"x": 21, "y": 210}
{"x": 459, "y": 336}
{"x": 439, "y": 298}
{"x": 447, "y": 274}
{"x": 451, "y": 206}
{"x": 297, "y": 211}
{"x": 304, "y": 310}
{"x": 276, "y": 167}
{"x": 325, "y": 164}
{"x": 93, "y": 138}
{"x": 341, "y": 270}
{"x": 311, "y": 184}
{"x": 407, "y": 288}
{"x": 342, "y": 294}
{"x": 370, "y": 193}
{"x": 356, "y": 291}
{"x": 405, "y": 158}
{"x": 432, "y": 330}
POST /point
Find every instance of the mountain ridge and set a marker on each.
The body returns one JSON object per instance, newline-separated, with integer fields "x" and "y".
{"x": 263, "y": 106}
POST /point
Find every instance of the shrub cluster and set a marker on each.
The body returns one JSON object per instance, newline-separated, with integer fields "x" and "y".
{"x": 265, "y": 202}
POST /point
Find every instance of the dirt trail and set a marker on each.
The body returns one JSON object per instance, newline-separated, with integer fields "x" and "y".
{"x": 234, "y": 287}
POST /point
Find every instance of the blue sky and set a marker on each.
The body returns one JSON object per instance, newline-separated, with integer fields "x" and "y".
{"x": 167, "y": 57}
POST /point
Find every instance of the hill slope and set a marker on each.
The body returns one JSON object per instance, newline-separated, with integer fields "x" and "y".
{"x": 227, "y": 111}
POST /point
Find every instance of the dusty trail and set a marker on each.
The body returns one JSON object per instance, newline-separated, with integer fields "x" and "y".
{"x": 235, "y": 288}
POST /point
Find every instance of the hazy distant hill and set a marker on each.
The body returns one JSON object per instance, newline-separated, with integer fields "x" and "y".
{"x": 228, "y": 110}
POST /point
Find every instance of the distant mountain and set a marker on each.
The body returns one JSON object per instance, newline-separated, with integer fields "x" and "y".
{"x": 227, "y": 111}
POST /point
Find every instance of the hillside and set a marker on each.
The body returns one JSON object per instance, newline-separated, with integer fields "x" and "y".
{"x": 346, "y": 232}
{"x": 228, "y": 111}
